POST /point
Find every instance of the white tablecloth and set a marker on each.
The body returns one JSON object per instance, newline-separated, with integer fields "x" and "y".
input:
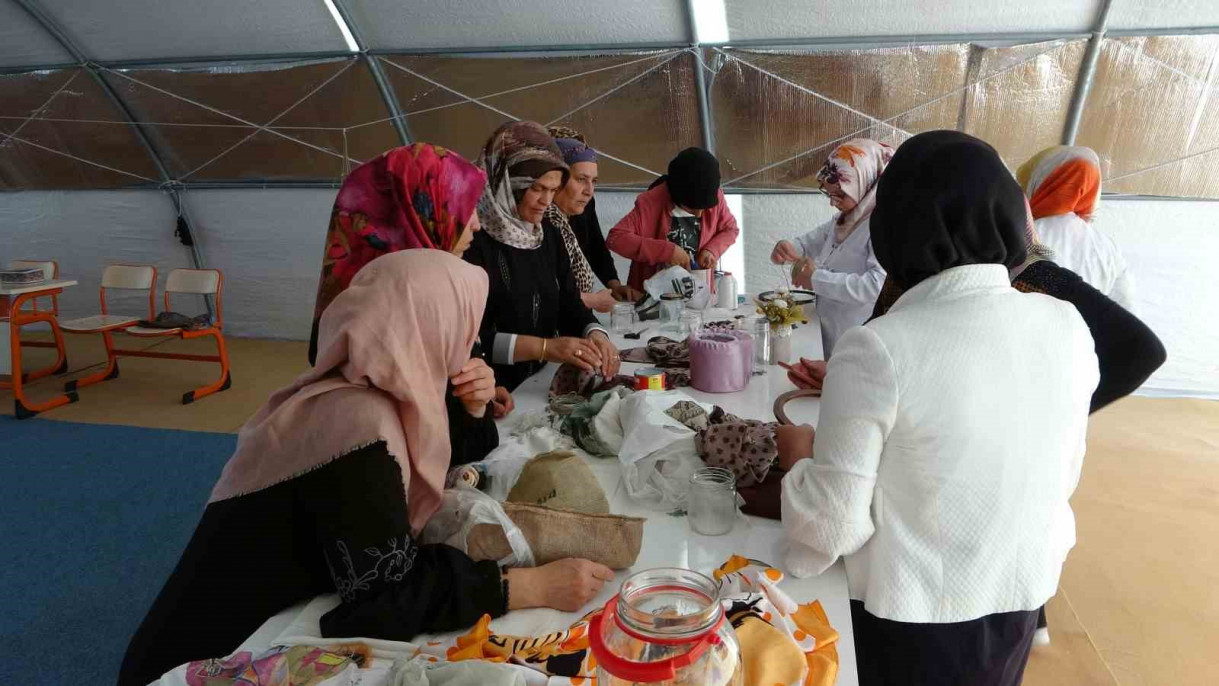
{"x": 668, "y": 540}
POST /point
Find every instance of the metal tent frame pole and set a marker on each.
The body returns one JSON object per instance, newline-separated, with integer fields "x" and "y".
{"x": 52, "y": 27}
{"x": 700, "y": 81}
{"x": 378, "y": 74}
{"x": 1087, "y": 73}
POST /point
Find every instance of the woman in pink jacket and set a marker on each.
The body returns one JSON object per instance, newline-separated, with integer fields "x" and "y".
{"x": 681, "y": 220}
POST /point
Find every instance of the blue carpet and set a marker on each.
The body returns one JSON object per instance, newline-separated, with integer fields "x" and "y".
{"x": 93, "y": 519}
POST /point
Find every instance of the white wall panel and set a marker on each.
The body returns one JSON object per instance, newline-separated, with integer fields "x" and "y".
{"x": 1152, "y": 14}
{"x": 269, "y": 244}
{"x": 136, "y": 29}
{"x": 392, "y": 24}
{"x": 748, "y": 19}
{"x": 24, "y": 42}
{"x": 85, "y": 231}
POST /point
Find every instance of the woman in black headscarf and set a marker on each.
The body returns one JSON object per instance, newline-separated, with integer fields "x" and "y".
{"x": 951, "y": 434}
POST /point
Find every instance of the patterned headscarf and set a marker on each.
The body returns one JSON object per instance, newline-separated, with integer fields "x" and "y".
{"x": 515, "y": 156}
{"x": 1061, "y": 180}
{"x": 575, "y": 149}
{"x": 855, "y": 166}
{"x": 419, "y": 196}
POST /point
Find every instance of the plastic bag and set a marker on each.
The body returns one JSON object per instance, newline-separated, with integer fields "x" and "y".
{"x": 462, "y": 509}
{"x": 657, "y": 455}
{"x": 696, "y": 292}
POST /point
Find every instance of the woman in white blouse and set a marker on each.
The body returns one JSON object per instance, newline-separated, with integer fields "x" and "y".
{"x": 835, "y": 260}
{"x": 1063, "y": 187}
{"x": 951, "y": 433}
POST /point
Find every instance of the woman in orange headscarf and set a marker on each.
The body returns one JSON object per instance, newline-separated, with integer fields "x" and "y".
{"x": 1063, "y": 187}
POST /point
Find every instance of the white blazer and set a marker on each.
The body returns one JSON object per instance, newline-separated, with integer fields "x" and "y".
{"x": 951, "y": 437}
{"x": 847, "y": 280}
{"x": 1080, "y": 247}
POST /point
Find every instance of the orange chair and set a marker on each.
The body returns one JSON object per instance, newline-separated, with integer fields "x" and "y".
{"x": 50, "y": 270}
{"x": 116, "y": 277}
{"x": 198, "y": 282}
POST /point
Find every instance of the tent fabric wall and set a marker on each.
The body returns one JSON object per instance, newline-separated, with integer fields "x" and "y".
{"x": 25, "y": 43}
{"x": 85, "y": 231}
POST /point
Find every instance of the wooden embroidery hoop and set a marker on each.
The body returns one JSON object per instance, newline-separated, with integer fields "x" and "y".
{"x": 783, "y": 399}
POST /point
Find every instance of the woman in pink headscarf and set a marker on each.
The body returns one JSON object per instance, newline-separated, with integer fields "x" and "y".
{"x": 335, "y": 476}
{"x": 835, "y": 260}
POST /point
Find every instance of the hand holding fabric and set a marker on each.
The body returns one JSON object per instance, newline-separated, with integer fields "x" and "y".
{"x": 624, "y": 293}
{"x": 806, "y": 374}
{"x": 580, "y": 352}
{"x": 706, "y": 260}
{"x": 679, "y": 258}
{"x": 610, "y": 360}
{"x": 565, "y": 585}
{"x": 502, "y": 404}
{"x": 474, "y": 385}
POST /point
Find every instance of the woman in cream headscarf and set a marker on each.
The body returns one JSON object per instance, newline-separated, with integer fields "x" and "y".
{"x": 334, "y": 478}
{"x": 836, "y": 259}
{"x": 1063, "y": 187}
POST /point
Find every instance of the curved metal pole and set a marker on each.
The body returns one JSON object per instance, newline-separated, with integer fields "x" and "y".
{"x": 378, "y": 75}
{"x": 53, "y": 28}
{"x": 1087, "y": 73}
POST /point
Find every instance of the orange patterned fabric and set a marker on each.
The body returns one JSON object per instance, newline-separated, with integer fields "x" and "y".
{"x": 1073, "y": 187}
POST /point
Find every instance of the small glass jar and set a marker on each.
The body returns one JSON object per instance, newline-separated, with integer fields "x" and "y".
{"x": 781, "y": 345}
{"x": 691, "y": 323}
{"x": 665, "y": 626}
{"x": 761, "y": 341}
{"x": 622, "y": 317}
{"x": 711, "y": 504}
{"x": 671, "y": 307}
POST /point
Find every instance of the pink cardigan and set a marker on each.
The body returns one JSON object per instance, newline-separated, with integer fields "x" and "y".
{"x": 640, "y": 236}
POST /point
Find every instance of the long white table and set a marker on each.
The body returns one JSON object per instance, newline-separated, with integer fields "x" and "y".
{"x": 668, "y": 541}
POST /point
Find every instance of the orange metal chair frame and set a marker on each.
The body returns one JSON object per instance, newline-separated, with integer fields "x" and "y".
{"x": 214, "y": 331}
{"x": 112, "y": 369}
{"x": 19, "y": 317}
{"x": 61, "y": 361}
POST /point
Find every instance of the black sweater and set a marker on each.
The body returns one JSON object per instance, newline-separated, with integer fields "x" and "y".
{"x": 532, "y": 293}
{"x": 592, "y": 243}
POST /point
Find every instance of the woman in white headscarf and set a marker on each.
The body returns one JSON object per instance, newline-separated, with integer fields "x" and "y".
{"x": 835, "y": 260}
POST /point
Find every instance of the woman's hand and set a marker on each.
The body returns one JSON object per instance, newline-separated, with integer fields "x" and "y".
{"x": 807, "y": 374}
{"x": 795, "y": 444}
{"x": 576, "y": 351}
{"x": 625, "y": 294}
{"x": 680, "y": 258}
{"x": 802, "y": 273}
{"x": 502, "y": 404}
{"x": 610, "y": 360}
{"x": 474, "y": 385}
{"x": 601, "y": 301}
{"x": 566, "y": 585}
{"x": 706, "y": 260}
{"x": 784, "y": 253}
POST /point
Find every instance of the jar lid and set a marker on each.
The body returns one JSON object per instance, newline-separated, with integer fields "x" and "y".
{"x": 671, "y": 296}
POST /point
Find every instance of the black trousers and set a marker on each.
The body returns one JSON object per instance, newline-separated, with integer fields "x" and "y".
{"x": 988, "y": 651}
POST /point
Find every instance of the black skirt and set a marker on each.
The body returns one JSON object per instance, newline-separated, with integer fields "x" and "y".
{"x": 988, "y": 651}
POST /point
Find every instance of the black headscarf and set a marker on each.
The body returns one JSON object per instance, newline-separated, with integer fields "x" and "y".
{"x": 946, "y": 200}
{"x": 694, "y": 179}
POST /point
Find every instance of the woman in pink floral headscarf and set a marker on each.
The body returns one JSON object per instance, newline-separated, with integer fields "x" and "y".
{"x": 835, "y": 260}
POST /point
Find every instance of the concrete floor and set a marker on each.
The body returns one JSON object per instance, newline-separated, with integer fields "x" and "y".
{"x": 1139, "y": 599}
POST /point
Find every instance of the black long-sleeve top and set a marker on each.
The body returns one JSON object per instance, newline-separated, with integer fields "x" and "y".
{"x": 1127, "y": 351}
{"x": 342, "y": 527}
{"x": 592, "y": 242}
{"x": 532, "y": 293}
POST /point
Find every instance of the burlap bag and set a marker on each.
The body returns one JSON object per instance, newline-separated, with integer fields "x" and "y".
{"x": 560, "y": 480}
{"x": 611, "y": 540}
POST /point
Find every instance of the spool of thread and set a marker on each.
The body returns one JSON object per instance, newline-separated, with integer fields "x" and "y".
{"x": 472, "y": 475}
{"x": 649, "y": 379}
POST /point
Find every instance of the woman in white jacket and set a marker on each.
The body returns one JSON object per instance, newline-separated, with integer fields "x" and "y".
{"x": 1063, "y": 187}
{"x": 835, "y": 259}
{"x": 951, "y": 433}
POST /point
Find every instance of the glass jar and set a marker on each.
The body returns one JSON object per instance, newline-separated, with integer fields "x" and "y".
{"x": 711, "y": 504}
{"x": 665, "y": 626}
{"x": 622, "y": 317}
{"x": 781, "y": 345}
{"x": 691, "y": 323}
{"x": 671, "y": 307}
{"x": 761, "y": 341}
